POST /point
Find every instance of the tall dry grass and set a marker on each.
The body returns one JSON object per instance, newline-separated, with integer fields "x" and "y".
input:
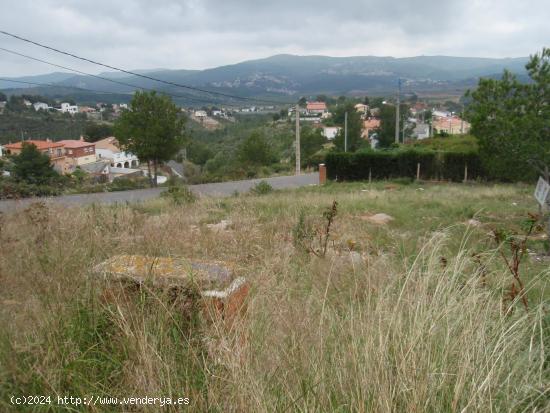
{"x": 394, "y": 331}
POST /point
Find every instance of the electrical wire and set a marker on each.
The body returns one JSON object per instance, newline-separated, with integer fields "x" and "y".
{"x": 192, "y": 98}
{"x": 139, "y": 74}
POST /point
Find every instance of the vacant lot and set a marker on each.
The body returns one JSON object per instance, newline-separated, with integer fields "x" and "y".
{"x": 411, "y": 312}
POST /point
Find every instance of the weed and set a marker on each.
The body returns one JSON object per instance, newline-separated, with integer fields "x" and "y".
{"x": 304, "y": 234}
{"x": 179, "y": 195}
{"x": 262, "y": 188}
{"x": 518, "y": 248}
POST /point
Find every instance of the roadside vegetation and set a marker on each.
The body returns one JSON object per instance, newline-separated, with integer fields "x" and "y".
{"x": 412, "y": 313}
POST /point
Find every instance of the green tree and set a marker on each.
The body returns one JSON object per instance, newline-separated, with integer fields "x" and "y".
{"x": 302, "y": 102}
{"x": 355, "y": 126}
{"x": 3, "y": 97}
{"x": 255, "y": 151}
{"x": 97, "y": 131}
{"x": 32, "y": 166}
{"x": 512, "y": 122}
{"x": 198, "y": 152}
{"x": 386, "y": 134}
{"x": 311, "y": 141}
{"x": 152, "y": 129}
{"x": 15, "y": 104}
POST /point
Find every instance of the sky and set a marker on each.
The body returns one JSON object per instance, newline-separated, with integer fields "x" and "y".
{"x": 199, "y": 34}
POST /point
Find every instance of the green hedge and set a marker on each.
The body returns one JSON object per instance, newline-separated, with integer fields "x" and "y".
{"x": 398, "y": 164}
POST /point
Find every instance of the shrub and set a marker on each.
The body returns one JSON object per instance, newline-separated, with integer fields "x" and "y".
{"x": 179, "y": 195}
{"x": 125, "y": 184}
{"x": 10, "y": 189}
{"x": 261, "y": 188}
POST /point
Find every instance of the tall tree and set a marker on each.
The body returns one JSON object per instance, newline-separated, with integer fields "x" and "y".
{"x": 311, "y": 141}
{"x": 255, "y": 151}
{"x": 152, "y": 128}
{"x": 512, "y": 121}
{"x": 97, "y": 131}
{"x": 32, "y": 166}
{"x": 386, "y": 134}
{"x": 355, "y": 127}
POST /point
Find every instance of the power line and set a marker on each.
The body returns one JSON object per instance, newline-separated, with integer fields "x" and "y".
{"x": 137, "y": 74}
{"x": 196, "y": 99}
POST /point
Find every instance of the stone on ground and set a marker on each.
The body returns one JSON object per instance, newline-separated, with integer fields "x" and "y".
{"x": 378, "y": 219}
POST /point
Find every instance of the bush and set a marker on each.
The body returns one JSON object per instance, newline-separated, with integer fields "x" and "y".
{"x": 399, "y": 164}
{"x": 126, "y": 184}
{"x": 10, "y": 189}
{"x": 179, "y": 195}
{"x": 261, "y": 188}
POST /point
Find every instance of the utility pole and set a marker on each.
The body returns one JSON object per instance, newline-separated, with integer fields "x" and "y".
{"x": 297, "y": 139}
{"x": 462, "y": 120}
{"x": 397, "y": 110}
{"x": 346, "y": 132}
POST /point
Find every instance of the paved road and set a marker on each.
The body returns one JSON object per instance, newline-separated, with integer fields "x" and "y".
{"x": 215, "y": 189}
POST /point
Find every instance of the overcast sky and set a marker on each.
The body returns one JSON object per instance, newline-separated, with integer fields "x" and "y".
{"x": 197, "y": 34}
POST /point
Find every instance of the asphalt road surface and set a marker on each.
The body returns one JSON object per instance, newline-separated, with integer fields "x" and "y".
{"x": 214, "y": 189}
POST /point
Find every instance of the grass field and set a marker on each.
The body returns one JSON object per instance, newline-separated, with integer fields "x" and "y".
{"x": 408, "y": 316}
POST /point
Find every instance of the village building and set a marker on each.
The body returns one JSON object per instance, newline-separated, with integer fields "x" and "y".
{"x": 109, "y": 149}
{"x": 54, "y": 150}
{"x": 362, "y": 108}
{"x": 452, "y": 125}
{"x": 40, "y": 106}
{"x": 68, "y": 108}
{"x": 369, "y": 125}
{"x": 77, "y": 153}
{"x": 316, "y": 108}
{"x": 421, "y": 131}
{"x": 330, "y": 132}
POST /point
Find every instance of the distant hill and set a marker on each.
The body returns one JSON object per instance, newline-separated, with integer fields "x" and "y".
{"x": 286, "y": 77}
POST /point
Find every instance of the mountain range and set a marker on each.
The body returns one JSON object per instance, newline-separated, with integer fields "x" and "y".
{"x": 287, "y": 77}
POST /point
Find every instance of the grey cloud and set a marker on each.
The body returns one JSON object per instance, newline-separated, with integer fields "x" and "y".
{"x": 205, "y": 33}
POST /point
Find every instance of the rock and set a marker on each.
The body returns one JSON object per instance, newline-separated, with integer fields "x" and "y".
{"x": 474, "y": 223}
{"x": 223, "y": 225}
{"x": 218, "y": 288}
{"x": 165, "y": 271}
{"x": 378, "y": 219}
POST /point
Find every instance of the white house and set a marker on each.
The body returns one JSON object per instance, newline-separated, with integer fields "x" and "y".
{"x": 441, "y": 114}
{"x": 200, "y": 114}
{"x": 0, "y": 151}
{"x": 330, "y": 132}
{"x": 40, "y": 106}
{"x": 108, "y": 149}
{"x": 421, "y": 131}
{"x": 68, "y": 108}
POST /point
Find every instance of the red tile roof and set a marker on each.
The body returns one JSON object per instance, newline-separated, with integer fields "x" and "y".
{"x": 74, "y": 144}
{"x": 371, "y": 123}
{"x": 40, "y": 145}
{"x": 316, "y": 106}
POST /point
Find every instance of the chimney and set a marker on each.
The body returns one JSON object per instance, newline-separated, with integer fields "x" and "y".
{"x": 48, "y": 140}
{"x": 81, "y": 138}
